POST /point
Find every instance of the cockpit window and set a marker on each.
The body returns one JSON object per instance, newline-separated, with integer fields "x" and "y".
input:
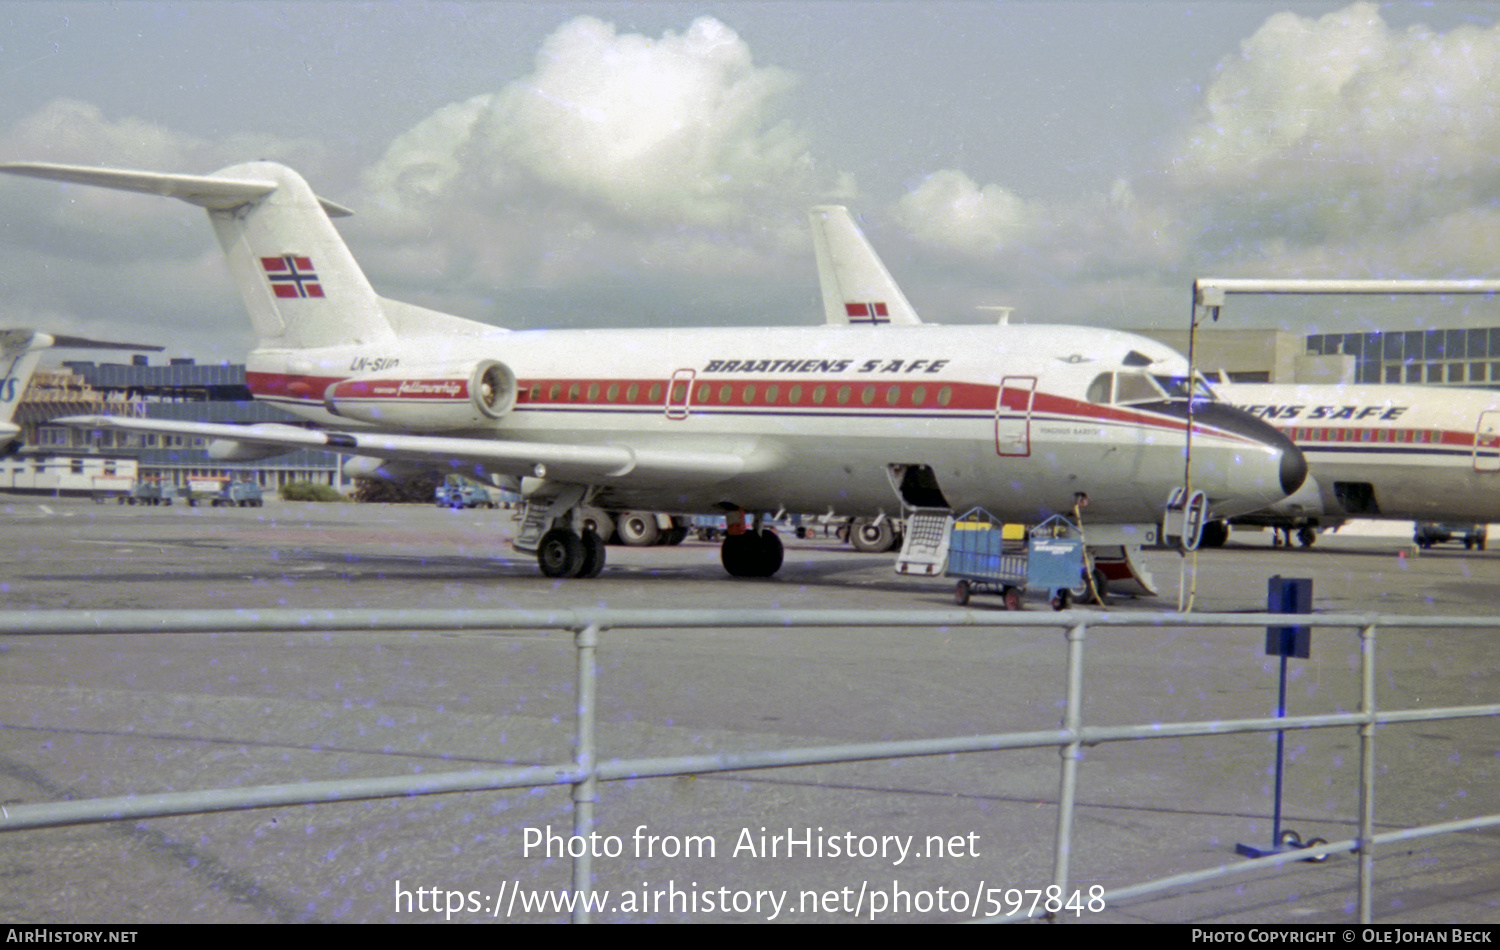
{"x": 1136, "y": 387}
{"x": 1101, "y": 389}
{"x": 1177, "y": 387}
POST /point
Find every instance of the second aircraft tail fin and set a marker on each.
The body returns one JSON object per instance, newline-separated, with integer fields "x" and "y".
{"x": 856, "y": 286}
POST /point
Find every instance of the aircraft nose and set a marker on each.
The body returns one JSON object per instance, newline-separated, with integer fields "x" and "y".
{"x": 1293, "y": 465}
{"x": 1243, "y": 481}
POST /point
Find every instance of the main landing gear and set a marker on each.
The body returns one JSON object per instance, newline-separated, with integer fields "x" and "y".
{"x": 566, "y": 553}
{"x": 563, "y": 536}
{"x": 752, "y": 551}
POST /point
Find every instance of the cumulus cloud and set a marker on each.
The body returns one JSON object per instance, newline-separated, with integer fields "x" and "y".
{"x": 1348, "y": 95}
{"x": 627, "y": 150}
{"x": 948, "y": 209}
{"x": 1327, "y": 146}
{"x": 1328, "y": 130}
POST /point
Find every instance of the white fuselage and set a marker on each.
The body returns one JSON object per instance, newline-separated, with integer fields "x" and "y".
{"x": 1378, "y": 451}
{"x": 820, "y": 414}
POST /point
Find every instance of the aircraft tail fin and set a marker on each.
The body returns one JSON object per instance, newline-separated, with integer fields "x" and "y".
{"x": 296, "y": 276}
{"x": 19, "y": 352}
{"x": 856, "y": 286}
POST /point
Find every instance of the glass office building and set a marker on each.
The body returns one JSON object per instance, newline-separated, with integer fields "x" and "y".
{"x": 1430, "y": 357}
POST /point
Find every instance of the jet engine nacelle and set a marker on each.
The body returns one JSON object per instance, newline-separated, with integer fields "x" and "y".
{"x": 438, "y": 397}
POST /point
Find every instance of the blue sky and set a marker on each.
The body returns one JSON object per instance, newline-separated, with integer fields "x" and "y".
{"x": 614, "y": 164}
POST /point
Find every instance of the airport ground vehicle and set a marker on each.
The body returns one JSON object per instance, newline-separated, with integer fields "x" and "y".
{"x": 461, "y": 493}
{"x": 238, "y": 493}
{"x": 150, "y": 491}
{"x": 1428, "y": 533}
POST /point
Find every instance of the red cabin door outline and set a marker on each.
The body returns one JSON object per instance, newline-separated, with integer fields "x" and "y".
{"x": 680, "y": 394}
{"x": 1487, "y": 442}
{"x": 1013, "y": 415}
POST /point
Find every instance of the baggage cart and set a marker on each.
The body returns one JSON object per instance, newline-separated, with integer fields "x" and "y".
{"x": 987, "y": 555}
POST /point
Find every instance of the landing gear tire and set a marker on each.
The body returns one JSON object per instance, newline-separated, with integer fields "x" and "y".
{"x": 638, "y": 529}
{"x": 873, "y": 538}
{"x": 561, "y": 553}
{"x": 1215, "y": 534}
{"x": 593, "y": 554}
{"x": 1097, "y": 592}
{"x": 599, "y": 520}
{"x": 752, "y": 555}
{"x": 1306, "y": 537}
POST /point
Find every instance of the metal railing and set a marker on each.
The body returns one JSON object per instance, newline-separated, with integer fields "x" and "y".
{"x": 585, "y": 770}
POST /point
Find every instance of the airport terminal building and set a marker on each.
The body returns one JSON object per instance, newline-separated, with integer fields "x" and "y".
{"x": 1468, "y": 358}
{"x": 60, "y": 458}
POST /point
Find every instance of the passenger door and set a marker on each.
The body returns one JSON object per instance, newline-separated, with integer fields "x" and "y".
{"x": 1487, "y": 442}
{"x": 680, "y": 394}
{"x": 1013, "y": 416}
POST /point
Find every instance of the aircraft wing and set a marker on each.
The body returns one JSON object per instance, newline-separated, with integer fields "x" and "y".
{"x": 610, "y": 464}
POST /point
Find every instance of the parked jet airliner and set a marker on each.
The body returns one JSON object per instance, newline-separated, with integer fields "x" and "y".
{"x": 858, "y": 418}
{"x": 1405, "y": 453}
{"x": 1402, "y": 453}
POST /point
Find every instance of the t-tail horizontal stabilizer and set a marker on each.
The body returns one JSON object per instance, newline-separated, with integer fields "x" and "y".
{"x": 206, "y": 191}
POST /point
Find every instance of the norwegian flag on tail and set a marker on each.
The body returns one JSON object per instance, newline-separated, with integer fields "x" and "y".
{"x": 867, "y": 313}
{"x": 292, "y": 276}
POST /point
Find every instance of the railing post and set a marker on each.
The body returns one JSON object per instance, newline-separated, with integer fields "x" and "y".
{"x": 1070, "y": 754}
{"x": 1367, "y": 774}
{"x": 585, "y": 790}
